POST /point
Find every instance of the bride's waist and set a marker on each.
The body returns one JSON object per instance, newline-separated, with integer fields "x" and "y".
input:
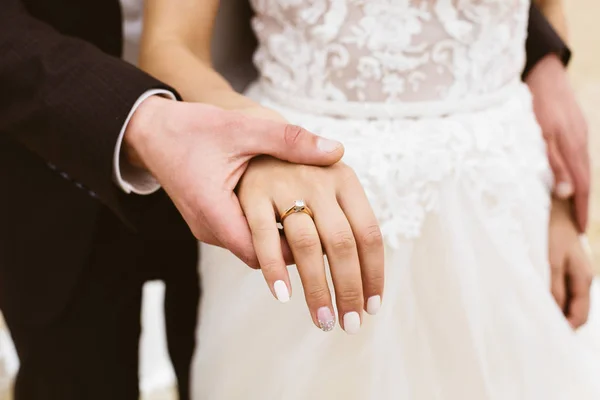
{"x": 468, "y": 103}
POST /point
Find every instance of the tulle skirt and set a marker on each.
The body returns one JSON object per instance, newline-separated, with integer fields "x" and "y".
{"x": 463, "y": 201}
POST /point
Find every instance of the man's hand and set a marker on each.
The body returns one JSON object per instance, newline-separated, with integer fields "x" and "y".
{"x": 199, "y": 153}
{"x": 565, "y": 132}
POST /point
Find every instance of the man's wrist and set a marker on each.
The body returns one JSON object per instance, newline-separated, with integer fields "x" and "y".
{"x": 138, "y": 129}
{"x": 131, "y": 172}
{"x": 550, "y": 62}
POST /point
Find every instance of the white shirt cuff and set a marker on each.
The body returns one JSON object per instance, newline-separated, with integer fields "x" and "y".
{"x": 129, "y": 178}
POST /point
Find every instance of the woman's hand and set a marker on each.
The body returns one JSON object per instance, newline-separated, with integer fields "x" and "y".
{"x": 571, "y": 271}
{"x": 344, "y": 228}
{"x": 261, "y": 112}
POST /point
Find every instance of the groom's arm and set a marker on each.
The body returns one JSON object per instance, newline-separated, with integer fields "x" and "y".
{"x": 542, "y": 40}
{"x": 66, "y": 101}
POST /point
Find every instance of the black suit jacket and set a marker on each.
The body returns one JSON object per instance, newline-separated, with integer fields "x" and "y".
{"x": 64, "y": 96}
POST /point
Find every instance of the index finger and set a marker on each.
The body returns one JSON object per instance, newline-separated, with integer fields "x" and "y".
{"x": 267, "y": 244}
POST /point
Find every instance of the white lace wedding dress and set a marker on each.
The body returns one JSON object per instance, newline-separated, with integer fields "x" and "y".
{"x": 427, "y": 98}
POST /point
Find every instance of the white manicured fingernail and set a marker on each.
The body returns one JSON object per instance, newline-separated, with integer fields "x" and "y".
{"x": 373, "y": 304}
{"x": 281, "y": 291}
{"x": 352, "y": 322}
{"x": 328, "y": 146}
{"x": 564, "y": 190}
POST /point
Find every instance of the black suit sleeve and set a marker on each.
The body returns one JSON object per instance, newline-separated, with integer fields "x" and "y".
{"x": 542, "y": 40}
{"x": 65, "y": 100}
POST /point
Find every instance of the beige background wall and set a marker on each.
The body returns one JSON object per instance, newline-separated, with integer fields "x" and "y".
{"x": 584, "y": 23}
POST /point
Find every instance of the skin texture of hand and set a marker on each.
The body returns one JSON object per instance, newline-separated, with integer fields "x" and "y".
{"x": 570, "y": 267}
{"x": 565, "y": 131}
{"x": 199, "y": 152}
{"x": 343, "y": 227}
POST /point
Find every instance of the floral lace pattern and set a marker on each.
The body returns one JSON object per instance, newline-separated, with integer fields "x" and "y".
{"x": 390, "y": 50}
{"x": 498, "y": 157}
{"x": 332, "y": 66}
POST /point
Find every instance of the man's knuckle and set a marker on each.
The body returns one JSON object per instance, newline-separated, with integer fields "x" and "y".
{"x": 292, "y": 134}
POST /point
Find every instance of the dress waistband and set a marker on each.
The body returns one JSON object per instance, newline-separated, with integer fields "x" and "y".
{"x": 381, "y": 110}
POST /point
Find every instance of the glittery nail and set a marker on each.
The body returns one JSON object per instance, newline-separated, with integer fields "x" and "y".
{"x": 325, "y": 318}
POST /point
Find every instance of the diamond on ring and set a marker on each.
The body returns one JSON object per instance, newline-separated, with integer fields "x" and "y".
{"x": 299, "y": 206}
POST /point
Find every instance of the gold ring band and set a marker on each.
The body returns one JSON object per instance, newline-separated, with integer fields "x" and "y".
{"x": 298, "y": 207}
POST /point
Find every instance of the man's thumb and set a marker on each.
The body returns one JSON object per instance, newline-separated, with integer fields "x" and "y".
{"x": 294, "y": 144}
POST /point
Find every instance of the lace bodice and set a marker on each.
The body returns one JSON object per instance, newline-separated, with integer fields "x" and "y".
{"x": 424, "y": 94}
{"x": 390, "y": 50}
